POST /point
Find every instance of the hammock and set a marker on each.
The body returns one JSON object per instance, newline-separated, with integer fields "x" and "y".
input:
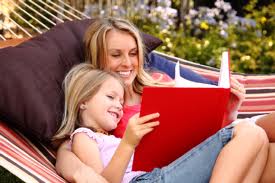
{"x": 32, "y": 161}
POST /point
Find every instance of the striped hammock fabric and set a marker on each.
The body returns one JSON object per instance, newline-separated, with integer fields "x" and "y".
{"x": 32, "y": 161}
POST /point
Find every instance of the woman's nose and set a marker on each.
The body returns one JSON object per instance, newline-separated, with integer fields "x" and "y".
{"x": 126, "y": 61}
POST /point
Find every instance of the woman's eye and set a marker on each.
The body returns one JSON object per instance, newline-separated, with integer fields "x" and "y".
{"x": 115, "y": 55}
{"x": 110, "y": 97}
{"x": 133, "y": 54}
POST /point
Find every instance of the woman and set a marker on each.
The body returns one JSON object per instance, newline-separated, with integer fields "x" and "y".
{"x": 113, "y": 44}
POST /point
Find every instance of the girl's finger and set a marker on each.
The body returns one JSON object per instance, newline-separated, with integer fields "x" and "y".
{"x": 149, "y": 125}
{"x": 148, "y": 117}
{"x": 145, "y": 131}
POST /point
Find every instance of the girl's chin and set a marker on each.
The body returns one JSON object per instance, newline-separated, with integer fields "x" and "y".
{"x": 113, "y": 127}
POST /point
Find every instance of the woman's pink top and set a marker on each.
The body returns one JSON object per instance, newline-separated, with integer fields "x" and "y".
{"x": 129, "y": 111}
{"x": 107, "y": 145}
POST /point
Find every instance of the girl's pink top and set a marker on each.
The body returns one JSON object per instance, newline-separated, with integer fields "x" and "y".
{"x": 107, "y": 145}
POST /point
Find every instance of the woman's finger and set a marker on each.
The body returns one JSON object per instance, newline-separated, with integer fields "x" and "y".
{"x": 239, "y": 94}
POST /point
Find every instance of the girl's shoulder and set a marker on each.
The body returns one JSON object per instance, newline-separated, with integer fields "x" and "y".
{"x": 90, "y": 133}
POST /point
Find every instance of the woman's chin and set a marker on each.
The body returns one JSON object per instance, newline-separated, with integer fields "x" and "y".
{"x": 128, "y": 81}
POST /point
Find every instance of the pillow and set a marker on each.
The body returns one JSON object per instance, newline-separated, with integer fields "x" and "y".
{"x": 162, "y": 64}
{"x": 32, "y": 74}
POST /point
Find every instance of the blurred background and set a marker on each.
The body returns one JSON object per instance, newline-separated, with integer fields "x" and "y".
{"x": 195, "y": 30}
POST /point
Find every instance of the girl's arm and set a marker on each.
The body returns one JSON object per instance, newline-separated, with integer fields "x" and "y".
{"x": 267, "y": 122}
{"x": 69, "y": 166}
{"x": 88, "y": 152}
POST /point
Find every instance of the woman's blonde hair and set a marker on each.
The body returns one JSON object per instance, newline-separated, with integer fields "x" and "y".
{"x": 80, "y": 84}
{"x": 96, "y": 49}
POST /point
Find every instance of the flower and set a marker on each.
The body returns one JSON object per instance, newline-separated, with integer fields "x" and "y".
{"x": 224, "y": 34}
{"x": 204, "y": 25}
{"x": 245, "y": 57}
{"x": 263, "y": 20}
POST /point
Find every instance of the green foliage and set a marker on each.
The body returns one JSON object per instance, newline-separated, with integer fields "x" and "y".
{"x": 250, "y": 39}
{"x": 7, "y": 177}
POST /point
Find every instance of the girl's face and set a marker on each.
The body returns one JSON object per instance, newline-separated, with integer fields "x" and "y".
{"x": 104, "y": 110}
{"x": 122, "y": 55}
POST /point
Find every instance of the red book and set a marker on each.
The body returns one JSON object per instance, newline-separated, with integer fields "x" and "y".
{"x": 189, "y": 113}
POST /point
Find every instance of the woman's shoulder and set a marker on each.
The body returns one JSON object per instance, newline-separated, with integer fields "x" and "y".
{"x": 160, "y": 76}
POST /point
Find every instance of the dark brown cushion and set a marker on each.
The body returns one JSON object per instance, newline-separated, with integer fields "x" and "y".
{"x": 31, "y": 96}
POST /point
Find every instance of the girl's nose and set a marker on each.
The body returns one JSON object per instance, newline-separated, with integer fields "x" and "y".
{"x": 119, "y": 105}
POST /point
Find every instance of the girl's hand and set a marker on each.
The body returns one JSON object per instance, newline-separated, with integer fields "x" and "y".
{"x": 237, "y": 96}
{"x": 138, "y": 127}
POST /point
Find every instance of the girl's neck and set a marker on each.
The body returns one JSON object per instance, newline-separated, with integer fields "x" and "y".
{"x": 131, "y": 97}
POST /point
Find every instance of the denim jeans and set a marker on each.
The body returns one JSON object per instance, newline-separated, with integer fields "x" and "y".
{"x": 195, "y": 166}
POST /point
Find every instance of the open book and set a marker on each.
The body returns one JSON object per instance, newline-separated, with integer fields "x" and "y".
{"x": 189, "y": 113}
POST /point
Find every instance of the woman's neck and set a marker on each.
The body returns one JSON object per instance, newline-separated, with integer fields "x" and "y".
{"x": 131, "y": 97}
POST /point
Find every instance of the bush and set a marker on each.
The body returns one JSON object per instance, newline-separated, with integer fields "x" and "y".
{"x": 206, "y": 32}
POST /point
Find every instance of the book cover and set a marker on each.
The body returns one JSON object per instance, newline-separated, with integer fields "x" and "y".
{"x": 189, "y": 114}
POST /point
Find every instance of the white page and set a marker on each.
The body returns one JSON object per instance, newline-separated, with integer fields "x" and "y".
{"x": 223, "y": 78}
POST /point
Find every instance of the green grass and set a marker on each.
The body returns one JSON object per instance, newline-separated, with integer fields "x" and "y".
{"x": 7, "y": 177}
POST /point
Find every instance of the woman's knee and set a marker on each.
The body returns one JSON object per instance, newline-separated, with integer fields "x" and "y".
{"x": 251, "y": 133}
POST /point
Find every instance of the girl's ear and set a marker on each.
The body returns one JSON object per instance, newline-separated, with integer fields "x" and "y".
{"x": 83, "y": 106}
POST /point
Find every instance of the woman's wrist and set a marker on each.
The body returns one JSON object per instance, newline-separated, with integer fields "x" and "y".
{"x": 86, "y": 174}
{"x": 80, "y": 173}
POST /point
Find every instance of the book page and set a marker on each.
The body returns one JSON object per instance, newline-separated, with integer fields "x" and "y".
{"x": 224, "y": 79}
{"x": 184, "y": 83}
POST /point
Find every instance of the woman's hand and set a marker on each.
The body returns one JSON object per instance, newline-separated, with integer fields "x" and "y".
{"x": 86, "y": 174}
{"x": 138, "y": 127}
{"x": 69, "y": 166}
{"x": 237, "y": 96}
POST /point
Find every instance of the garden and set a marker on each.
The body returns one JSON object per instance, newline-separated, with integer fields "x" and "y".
{"x": 205, "y": 32}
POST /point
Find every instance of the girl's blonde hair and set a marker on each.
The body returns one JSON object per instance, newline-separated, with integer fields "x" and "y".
{"x": 80, "y": 84}
{"x": 96, "y": 49}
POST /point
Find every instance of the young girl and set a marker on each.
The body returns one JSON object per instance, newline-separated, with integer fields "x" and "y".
{"x": 93, "y": 107}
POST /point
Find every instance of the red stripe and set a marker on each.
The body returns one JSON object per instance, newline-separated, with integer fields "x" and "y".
{"x": 22, "y": 144}
{"x": 32, "y": 165}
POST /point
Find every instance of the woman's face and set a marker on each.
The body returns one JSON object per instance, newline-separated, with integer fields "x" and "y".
{"x": 122, "y": 55}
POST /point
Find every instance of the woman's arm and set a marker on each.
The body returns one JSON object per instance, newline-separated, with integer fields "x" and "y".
{"x": 69, "y": 166}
